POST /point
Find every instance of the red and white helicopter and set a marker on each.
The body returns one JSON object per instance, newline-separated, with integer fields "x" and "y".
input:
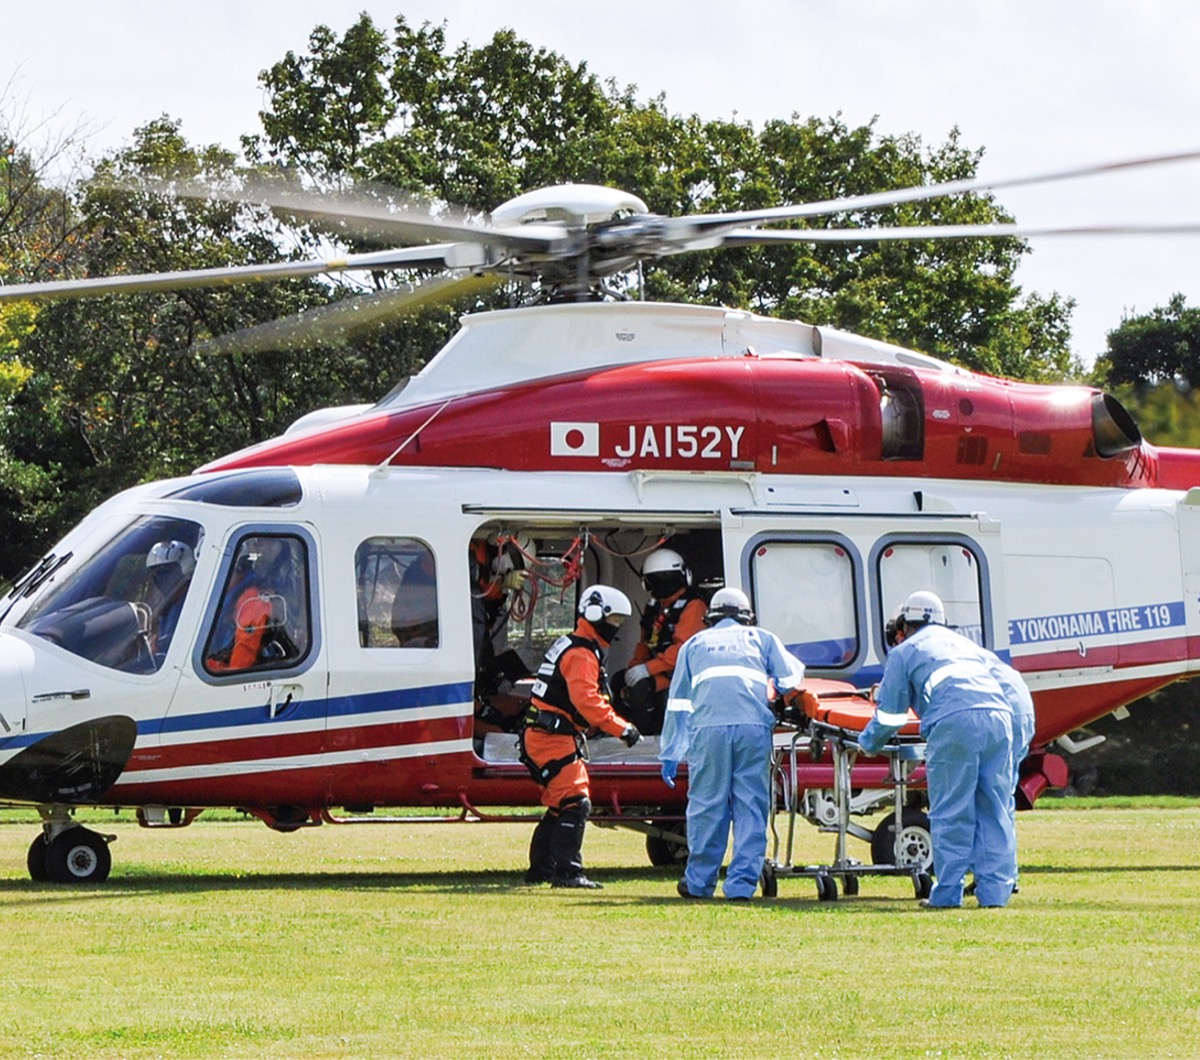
{"x": 827, "y": 474}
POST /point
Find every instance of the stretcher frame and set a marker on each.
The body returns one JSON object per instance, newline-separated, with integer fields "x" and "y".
{"x": 904, "y": 754}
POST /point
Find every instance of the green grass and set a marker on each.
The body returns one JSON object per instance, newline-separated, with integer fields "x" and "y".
{"x": 226, "y": 939}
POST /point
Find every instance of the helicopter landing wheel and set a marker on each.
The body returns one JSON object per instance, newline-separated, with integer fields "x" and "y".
{"x": 78, "y": 855}
{"x": 916, "y": 841}
{"x": 35, "y": 861}
{"x": 663, "y": 853}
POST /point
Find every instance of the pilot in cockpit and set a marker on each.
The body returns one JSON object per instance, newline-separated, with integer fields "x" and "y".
{"x": 170, "y": 565}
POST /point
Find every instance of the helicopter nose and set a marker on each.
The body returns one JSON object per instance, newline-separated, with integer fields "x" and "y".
{"x": 48, "y": 763}
{"x": 15, "y": 658}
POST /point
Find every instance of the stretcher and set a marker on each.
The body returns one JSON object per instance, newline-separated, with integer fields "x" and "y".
{"x": 833, "y": 722}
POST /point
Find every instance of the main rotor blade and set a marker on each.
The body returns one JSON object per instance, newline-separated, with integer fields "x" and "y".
{"x": 445, "y": 255}
{"x": 706, "y": 222}
{"x": 340, "y": 322}
{"x": 743, "y": 237}
{"x": 367, "y": 218}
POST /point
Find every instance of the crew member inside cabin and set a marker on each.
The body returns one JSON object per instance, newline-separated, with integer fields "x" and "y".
{"x": 674, "y": 613}
{"x": 498, "y": 569}
{"x": 720, "y": 721}
{"x": 252, "y": 626}
{"x": 571, "y": 696}
{"x": 967, "y": 723}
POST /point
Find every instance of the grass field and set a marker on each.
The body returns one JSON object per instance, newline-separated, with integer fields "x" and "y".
{"x": 226, "y": 939}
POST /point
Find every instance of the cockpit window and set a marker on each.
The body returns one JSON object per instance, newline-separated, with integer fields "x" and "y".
{"x": 120, "y": 607}
{"x": 268, "y": 487}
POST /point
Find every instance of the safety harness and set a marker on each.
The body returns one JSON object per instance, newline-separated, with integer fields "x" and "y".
{"x": 658, "y": 622}
{"x": 550, "y": 690}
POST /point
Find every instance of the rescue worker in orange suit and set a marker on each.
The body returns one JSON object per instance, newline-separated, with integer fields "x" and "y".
{"x": 569, "y": 697}
{"x": 674, "y": 614}
{"x": 497, "y": 570}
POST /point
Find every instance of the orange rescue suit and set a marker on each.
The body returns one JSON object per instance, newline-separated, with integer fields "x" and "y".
{"x": 659, "y": 658}
{"x": 579, "y": 666}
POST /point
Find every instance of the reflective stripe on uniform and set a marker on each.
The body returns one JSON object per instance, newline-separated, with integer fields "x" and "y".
{"x": 886, "y": 717}
{"x": 965, "y": 670}
{"x": 684, "y": 705}
{"x": 747, "y": 673}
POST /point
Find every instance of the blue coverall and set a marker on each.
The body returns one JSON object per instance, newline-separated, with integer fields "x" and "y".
{"x": 966, "y": 721}
{"x": 720, "y": 722}
{"x": 1023, "y": 724}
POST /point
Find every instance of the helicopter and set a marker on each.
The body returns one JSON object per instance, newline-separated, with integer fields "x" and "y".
{"x": 825, "y": 473}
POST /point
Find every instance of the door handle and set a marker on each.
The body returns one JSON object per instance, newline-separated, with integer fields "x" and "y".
{"x": 282, "y": 697}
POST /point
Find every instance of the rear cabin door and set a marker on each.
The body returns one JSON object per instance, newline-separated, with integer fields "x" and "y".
{"x": 827, "y": 583}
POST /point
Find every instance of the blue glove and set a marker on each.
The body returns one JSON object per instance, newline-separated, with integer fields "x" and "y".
{"x": 669, "y": 769}
{"x": 870, "y": 743}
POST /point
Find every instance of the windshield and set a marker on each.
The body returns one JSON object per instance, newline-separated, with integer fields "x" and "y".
{"x": 119, "y": 609}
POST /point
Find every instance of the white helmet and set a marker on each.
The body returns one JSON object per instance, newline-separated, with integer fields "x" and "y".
{"x": 165, "y": 552}
{"x": 598, "y": 603}
{"x": 665, "y": 572}
{"x": 730, "y": 603}
{"x": 924, "y": 606}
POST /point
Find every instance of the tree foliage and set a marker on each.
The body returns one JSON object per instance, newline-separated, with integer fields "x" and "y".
{"x": 1162, "y": 346}
{"x": 476, "y": 126}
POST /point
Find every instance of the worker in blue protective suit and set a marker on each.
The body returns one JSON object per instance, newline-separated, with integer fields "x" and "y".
{"x": 719, "y": 719}
{"x": 1024, "y": 723}
{"x": 966, "y": 720}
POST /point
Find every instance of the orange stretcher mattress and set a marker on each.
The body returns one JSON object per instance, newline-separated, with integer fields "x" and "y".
{"x": 849, "y": 712}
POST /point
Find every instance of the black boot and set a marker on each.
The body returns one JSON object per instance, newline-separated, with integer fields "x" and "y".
{"x": 567, "y": 845}
{"x": 541, "y": 856}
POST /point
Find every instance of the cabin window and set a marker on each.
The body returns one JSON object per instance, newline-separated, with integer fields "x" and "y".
{"x": 397, "y": 593}
{"x": 264, "y": 618}
{"x": 119, "y": 608}
{"x": 806, "y": 593}
{"x": 949, "y": 567}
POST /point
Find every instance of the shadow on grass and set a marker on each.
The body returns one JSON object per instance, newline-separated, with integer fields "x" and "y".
{"x": 470, "y": 882}
{"x": 1052, "y": 870}
{"x": 449, "y": 882}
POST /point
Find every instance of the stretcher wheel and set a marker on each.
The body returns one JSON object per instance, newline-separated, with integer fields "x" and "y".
{"x": 827, "y": 890}
{"x": 923, "y": 884}
{"x": 849, "y": 886}
{"x": 769, "y": 882}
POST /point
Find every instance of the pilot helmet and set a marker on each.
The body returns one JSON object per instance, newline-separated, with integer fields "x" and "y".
{"x": 164, "y": 553}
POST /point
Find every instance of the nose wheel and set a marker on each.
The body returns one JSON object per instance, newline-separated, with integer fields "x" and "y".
{"x": 76, "y": 855}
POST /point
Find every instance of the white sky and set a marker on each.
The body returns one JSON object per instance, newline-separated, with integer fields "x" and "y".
{"x": 1040, "y": 84}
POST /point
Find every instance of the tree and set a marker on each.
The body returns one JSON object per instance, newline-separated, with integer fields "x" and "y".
{"x": 476, "y": 126}
{"x": 111, "y": 392}
{"x": 1162, "y": 346}
{"x": 38, "y": 240}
